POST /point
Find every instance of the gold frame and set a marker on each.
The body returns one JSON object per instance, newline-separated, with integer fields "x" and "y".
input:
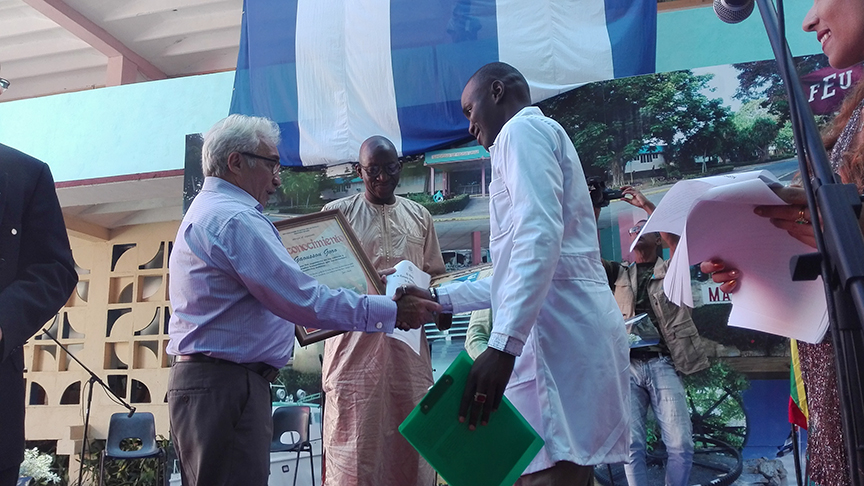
{"x": 299, "y": 230}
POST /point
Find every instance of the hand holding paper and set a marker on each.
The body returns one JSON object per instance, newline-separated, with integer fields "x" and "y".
{"x": 793, "y": 217}
{"x": 715, "y": 218}
{"x": 414, "y": 308}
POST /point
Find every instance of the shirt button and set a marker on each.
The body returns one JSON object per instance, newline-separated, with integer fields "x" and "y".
{"x": 14, "y": 231}
{"x": 379, "y": 325}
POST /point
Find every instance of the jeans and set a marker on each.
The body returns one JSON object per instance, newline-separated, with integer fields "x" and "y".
{"x": 655, "y": 383}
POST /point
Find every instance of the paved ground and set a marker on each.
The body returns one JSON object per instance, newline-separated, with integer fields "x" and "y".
{"x": 454, "y": 229}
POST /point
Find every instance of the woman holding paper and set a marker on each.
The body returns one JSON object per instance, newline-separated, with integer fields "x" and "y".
{"x": 839, "y": 27}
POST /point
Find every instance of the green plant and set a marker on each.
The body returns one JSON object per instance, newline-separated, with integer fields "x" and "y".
{"x": 131, "y": 472}
{"x": 672, "y": 172}
{"x": 720, "y": 169}
{"x": 716, "y": 407}
{"x": 294, "y": 380}
{"x": 455, "y": 203}
{"x": 714, "y": 400}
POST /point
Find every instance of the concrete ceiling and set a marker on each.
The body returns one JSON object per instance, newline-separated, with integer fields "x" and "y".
{"x": 93, "y": 208}
{"x": 56, "y": 46}
{"x": 59, "y": 46}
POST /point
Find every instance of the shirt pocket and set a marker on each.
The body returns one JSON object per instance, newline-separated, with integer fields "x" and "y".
{"x": 500, "y": 210}
{"x": 410, "y": 247}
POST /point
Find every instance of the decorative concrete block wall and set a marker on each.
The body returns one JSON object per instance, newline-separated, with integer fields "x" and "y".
{"x": 116, "y": 323}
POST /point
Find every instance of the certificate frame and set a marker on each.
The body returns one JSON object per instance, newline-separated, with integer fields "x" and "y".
{"x": 477, "y": 272}
{"x": 326, "y": 248}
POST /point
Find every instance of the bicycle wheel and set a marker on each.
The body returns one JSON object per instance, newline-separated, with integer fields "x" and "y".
{"x": 715, "y": 463}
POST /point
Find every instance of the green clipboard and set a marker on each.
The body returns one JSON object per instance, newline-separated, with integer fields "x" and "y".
{"x": 492, "y": 455}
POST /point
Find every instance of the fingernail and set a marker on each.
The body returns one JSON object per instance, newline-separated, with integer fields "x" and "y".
{"x": 759, "y": 211}
{"x": 731, "y": 284}
{"x": 733, "y": 274}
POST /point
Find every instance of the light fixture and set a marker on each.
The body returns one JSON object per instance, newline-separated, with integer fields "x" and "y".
{"x": 4, "y": 84}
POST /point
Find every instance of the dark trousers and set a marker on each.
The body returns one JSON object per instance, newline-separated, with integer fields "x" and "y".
{"x": 9, "y": 476}
{"x": 563, "y": 473}
{"x": 221, "y": 423}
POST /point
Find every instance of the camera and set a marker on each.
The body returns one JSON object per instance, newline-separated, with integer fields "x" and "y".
{"x": 600, "y": 194}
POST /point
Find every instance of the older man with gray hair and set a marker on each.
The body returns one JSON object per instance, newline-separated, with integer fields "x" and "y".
{"x": 235, "y": 292}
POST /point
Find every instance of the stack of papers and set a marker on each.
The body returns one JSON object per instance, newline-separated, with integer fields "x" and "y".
{"x": 407, "y": 274}
{"x": 714, "y": 218}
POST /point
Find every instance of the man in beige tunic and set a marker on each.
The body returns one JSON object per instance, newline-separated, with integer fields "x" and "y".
{"x": 372, "y": 382}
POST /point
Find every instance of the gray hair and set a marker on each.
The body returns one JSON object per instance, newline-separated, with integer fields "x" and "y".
{"x": 235, "y": 133}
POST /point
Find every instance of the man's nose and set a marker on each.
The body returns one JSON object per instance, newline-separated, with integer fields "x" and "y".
{"x": 277, "y": 180}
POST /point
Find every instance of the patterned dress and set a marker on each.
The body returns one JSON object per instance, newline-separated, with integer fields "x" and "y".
{"x": 826, "y": 463}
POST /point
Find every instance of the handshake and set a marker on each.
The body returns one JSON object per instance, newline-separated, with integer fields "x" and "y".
{"x": 415, "y": 307}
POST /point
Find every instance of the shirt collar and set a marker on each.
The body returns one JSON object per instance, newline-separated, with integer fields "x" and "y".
{"x": 216, "y": 184}
{"x": 527, "y": 111}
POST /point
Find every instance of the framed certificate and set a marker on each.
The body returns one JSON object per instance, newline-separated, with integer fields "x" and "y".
{"x": 470, "y": 274}
{"x": 326, "y": 248}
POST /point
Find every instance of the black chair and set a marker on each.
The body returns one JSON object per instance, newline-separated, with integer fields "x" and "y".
{"x": 293, "y": 418}
{"x": 140, "y": 426}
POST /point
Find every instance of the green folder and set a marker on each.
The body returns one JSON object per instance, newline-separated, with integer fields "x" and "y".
{"x": 495, "y": 454}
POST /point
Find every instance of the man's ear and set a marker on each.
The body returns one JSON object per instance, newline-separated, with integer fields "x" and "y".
{"x": 234, "y": 161}
{"x": 498, "y": 89}
{"x": 357, "y": 170}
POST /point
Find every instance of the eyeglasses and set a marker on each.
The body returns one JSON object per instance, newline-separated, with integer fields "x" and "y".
{"x": 636, "y": 229}
{"x": 275, "y": 164}
{"x": 375, "y": 170}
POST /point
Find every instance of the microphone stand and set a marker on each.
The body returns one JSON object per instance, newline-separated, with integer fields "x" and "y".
{"x": 840, "y": 256}
{"x": 93, "y": 379}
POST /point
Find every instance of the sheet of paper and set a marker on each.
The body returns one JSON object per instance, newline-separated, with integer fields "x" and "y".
{"x": 684, "y": 194}
{"x": 407, "y": 274}
{"x": 718, "y": 222}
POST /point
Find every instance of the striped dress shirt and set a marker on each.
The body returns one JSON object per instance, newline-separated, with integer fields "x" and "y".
{"x": 236, "y": 292}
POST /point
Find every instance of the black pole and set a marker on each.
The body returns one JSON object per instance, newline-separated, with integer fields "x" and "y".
{"x": 796, "y": 450}
{"x": 86, "y": 426}
{"x": 93, "y": 379}
{"x": 840, "y": 257}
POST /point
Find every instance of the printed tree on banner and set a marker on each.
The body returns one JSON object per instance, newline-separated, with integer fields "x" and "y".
{"x": 611, "y": 121}
{"x": 761, "y": 81}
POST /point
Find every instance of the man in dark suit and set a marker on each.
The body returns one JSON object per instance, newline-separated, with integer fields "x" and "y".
{"x": 37, "y": 275}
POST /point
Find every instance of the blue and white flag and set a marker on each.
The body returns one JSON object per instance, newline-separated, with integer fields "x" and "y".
{"x": 332, "y": 73}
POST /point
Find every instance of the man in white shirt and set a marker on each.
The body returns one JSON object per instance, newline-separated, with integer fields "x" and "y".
{"x": 558, "y": 344}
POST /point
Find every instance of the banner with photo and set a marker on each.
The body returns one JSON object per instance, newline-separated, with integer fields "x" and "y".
{"x": 653, "y": 130}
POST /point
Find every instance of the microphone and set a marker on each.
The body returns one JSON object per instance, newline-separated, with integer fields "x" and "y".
{"x": 733, "y": 11}
{"x": 131, "y": 411}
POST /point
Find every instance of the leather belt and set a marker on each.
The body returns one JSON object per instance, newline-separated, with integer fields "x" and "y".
{"x": 268, "y": 372}
{"x": 643, "y": 355}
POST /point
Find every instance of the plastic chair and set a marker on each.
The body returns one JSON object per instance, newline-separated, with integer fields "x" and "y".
{"x": 293, "y": 418}
{"x": 140, "y": 425}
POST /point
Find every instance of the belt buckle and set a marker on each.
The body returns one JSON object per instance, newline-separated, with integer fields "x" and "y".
{"x": 270, "y": 374}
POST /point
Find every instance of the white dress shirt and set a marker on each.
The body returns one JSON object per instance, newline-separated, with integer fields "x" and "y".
{"x": 237, "y": 293}
{"x": 550, "y": 297}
